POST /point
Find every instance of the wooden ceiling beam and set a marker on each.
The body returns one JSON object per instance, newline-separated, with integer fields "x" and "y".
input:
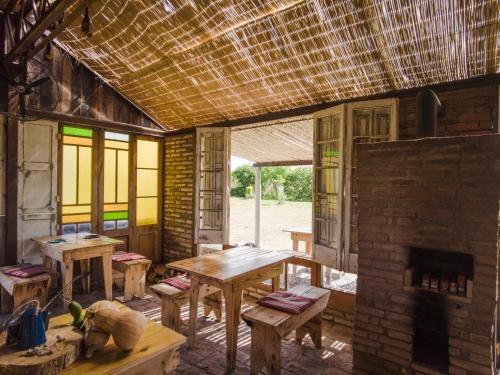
{"x": 38, "y": 29}
{"x": 284, "y": 163}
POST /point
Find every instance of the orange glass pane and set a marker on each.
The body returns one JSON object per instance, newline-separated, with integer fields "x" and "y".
{"x": 67, "y": 139}
{"x": 147, "y": 211}
{"x": 147, "y": 182}
{"x": 116, "y": 207}
{"x": 69, "y": 174}
{"x": 76, "y": 210}
{"x": 109, "y": 176}
{"x": 75, "y": 218}
{"x": 84, "y": 175}
{"x": 116, "y": 144}
{"x": 122, "y": 180}
{"x": 147, "y": 154}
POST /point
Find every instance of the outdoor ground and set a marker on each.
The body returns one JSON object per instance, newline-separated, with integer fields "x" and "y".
{"x": 275, "y": 218}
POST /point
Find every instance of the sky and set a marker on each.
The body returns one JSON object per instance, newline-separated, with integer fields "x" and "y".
{"x": 236, "y": 162}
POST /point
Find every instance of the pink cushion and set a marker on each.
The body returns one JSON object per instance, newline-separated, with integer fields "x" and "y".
{"x": 26, "y": 270}
{"x": 179, "y": 282}
{"x": 126, "y": 257}
{"x": 287, "y": 302}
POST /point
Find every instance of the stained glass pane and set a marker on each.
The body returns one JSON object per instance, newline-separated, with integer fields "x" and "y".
{"x": 116, "y": 136}
{"x": 116, "y": 207}
{"x": 79, "y": 132}
{"x": 77, "y": 141}
{"x": 147, "y": 154}
{"x": 69, "y": 229}
{"x": 122, "y": 178}
{"x": 109, "y": 225}
{"x": 116, "y": 144}
{"x": 147, "y": 182}
{"x": 109, "y": 176}
{"x": 76, "y": 210}
{"x": 147, "y": 211}
{"x": 115, "y": 215}
{"x": 84, "y": 227}
{"x": 121, "y": 224}
{"x": 69, "y": 175}
{"x": 85, "y": 175}
{"x": 75, "y": 218}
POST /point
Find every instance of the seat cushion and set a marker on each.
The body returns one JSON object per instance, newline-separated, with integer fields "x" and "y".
{"x": 126, "y": 257}
{"x": 179, "y": 282}
{"x": 287, "y": 302}
{"x": 26, "y": 270}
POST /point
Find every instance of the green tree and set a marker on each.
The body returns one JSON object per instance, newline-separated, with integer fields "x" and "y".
{"x": 298, "y": 184}
{"x": 273, "y": 179}
{"x": 241, "y": 178}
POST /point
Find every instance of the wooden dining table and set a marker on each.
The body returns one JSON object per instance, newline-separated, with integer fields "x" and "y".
{"x": 232, "y": 271}
{"x": 68, "y": 248}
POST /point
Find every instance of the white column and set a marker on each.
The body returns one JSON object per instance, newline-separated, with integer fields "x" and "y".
{"x": 257, "y": 206}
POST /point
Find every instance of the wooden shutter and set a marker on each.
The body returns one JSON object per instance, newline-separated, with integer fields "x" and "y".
{"x": 328, "y": 160}
{"x": 368, "y": 122}
{"x": 37, "y": 185}
{"x": 212, "y": 185}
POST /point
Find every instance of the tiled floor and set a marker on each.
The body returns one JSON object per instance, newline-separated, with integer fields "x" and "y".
{"x": 209, "y": 358}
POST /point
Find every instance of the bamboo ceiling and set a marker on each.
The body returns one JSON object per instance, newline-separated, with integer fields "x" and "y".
{"x": 188, "y": 62}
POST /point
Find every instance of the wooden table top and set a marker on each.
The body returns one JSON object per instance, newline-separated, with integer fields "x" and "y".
{"x": 225, "y": 266}
{"x": 306, "y": 230}
{"x": 76, "y": 241}
{"x": 155, "y": 340}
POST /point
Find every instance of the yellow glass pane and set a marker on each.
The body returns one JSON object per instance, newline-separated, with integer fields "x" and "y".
{"x": 69, "y": 175}
{"x": 84, "y": 175}
{"x": 147, "y": 154}
{"x": 116, "y": 144}
{"x": 116, "y": 207}
{"x": 147, "y": 211}
{"x": 76, "y": 210}
{"x": 122, "y": 177}
{"x": 67, "y": 139}
{"x": 75, "y": 218}
{"x": 109, "y": 176}
{"x": 147, "y": 183}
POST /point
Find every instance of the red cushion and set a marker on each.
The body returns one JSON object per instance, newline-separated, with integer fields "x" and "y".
{"x": 26, "y": 270}
{"x": 287, "y": 302}
{"x": 126, "y": 257}
{"x": 179, "y": 282}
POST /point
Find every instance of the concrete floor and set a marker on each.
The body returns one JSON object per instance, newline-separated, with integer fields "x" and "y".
{"x": 209, "y": 358}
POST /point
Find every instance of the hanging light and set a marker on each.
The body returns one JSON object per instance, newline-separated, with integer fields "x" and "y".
{"x": 87, "y": 23}
{"x": 47, "y": 55}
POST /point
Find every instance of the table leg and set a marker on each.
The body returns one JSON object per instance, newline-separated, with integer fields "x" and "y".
{"x": 107, "y": 271}
{"x": 232, "y": 296}
{"x": 275, "y": 283}
{"x": 308, "y": 247}
{"x": 194, "y": 295}
{"x": 85, "y": 268}
{"x": 67, "y": 284}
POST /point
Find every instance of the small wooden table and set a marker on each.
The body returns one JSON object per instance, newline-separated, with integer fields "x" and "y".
{"x": 232, "y": 271}
{"x": 76, "y": 247}
{"x": 156, "y": 353}
{"x": 301, "y": 234}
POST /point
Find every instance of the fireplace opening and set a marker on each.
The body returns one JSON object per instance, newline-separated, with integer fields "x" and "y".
{"x": 430, "y": 343}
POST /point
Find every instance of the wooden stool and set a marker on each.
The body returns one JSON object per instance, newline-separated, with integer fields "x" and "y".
{"x": 172, "y": 299}
{"x": 134, "y": 277}
{"x": 269, "y": 326}
{"x": 17, "y": 290}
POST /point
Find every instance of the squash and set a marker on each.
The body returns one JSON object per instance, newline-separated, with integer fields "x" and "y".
{"x": 75, "y": 309}
{"x": 100, "y": 320}
{"x": 128, "y": 329}
{"x": 94, "y": 341}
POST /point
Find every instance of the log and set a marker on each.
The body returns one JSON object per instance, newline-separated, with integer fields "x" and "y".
{"x": 15, "y": 362}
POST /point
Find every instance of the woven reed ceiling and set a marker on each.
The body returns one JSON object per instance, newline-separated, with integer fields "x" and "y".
{"x": 199, "y": 62}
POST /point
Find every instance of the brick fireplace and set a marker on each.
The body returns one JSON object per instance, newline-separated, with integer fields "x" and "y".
{"x": 428, "y": 214}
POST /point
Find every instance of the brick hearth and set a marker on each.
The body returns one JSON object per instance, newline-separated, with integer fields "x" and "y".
{"x": 435, "y": 193}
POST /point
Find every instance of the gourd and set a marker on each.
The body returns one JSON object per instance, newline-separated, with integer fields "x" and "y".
{"x": 128, "y": 329}
{"x": 97, "y": 328}
{"x": 76, "y": 312}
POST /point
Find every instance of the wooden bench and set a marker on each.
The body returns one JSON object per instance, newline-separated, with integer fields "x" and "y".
{"x": 17, "y": 290}
{"x": 134, "y": 277}
{"x": 269, "y": 326}
{"x": 172, "y": 299}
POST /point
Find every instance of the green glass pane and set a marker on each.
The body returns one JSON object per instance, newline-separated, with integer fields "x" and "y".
{"x": 79, "y": 132}
{"x": 116, "y": 215}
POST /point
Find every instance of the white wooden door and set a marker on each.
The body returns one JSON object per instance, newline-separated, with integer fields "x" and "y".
{"x": 213, "y": 170}
{"x": 37, "y": 185}
{"x": 328, "y": 167}
{"x": 368, "y": 122}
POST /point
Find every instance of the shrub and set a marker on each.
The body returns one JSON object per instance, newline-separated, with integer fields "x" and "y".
{"x": 241, "y": 178}
{"x": 298, "y": 184}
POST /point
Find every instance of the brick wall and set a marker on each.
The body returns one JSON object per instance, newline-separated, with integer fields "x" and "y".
{"x": 466, "y": 111}
{"x": 179, "y": 197}
{"x": 435, "y": 193}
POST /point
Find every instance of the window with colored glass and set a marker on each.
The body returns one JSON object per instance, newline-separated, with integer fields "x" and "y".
{"x": 147, "y": 182}
{"x": 116, "y": 181}
{"x": 76, "y": 180}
